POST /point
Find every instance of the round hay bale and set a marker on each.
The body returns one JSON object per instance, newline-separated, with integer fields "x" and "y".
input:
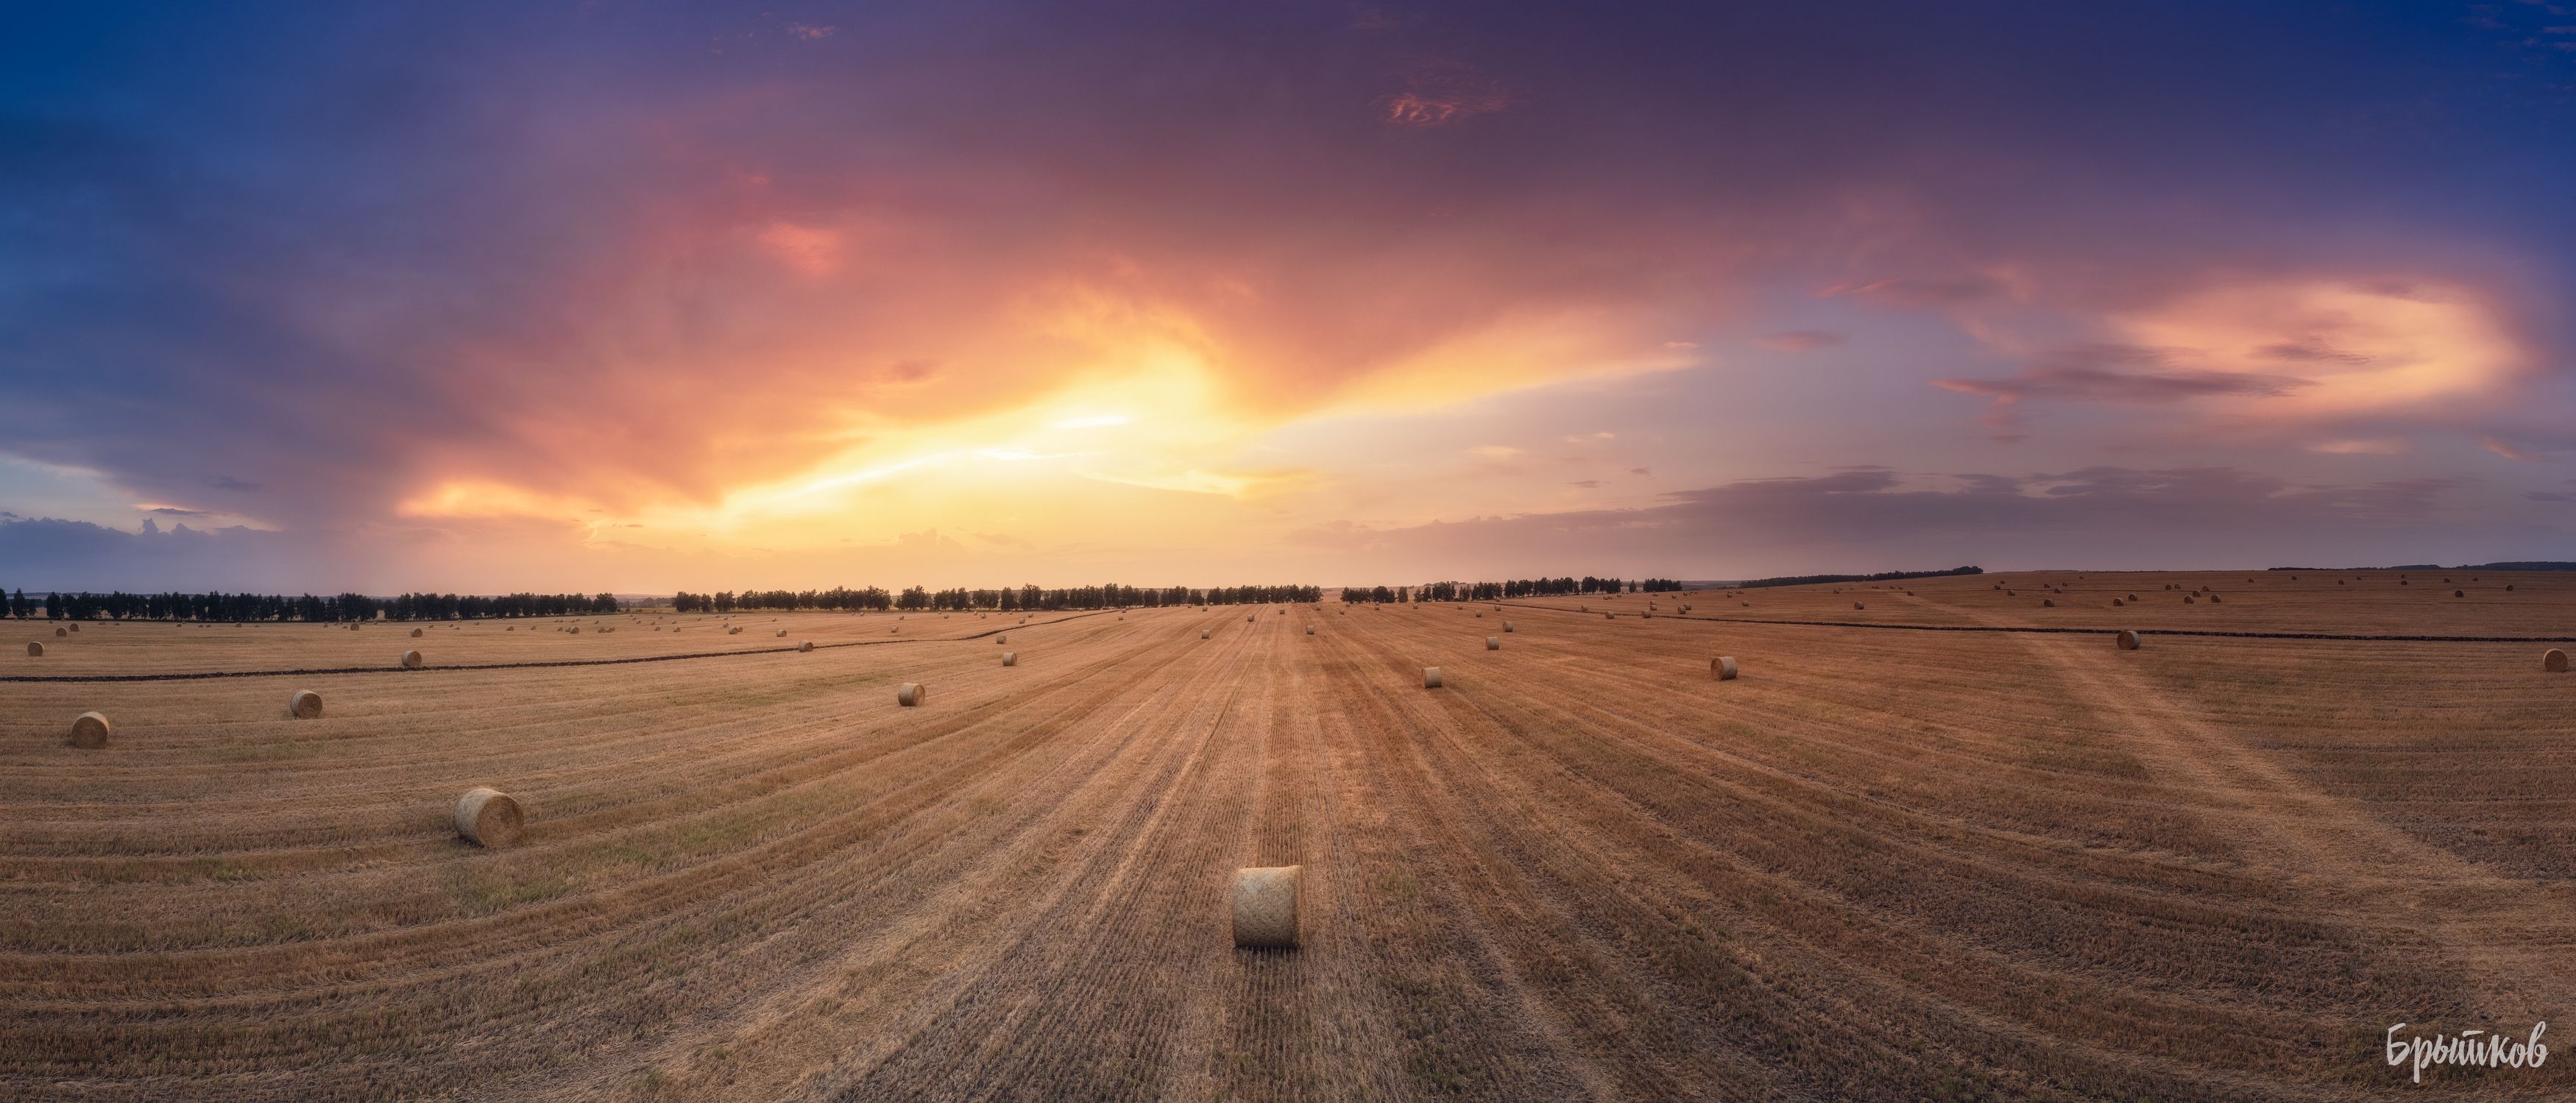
{"x": 1507, "y": 626}
{"x": 2554, "y": 661}
{"x": 1609, "y": 616}
{"x": 415, "y": 633}
{"x": 1265, "y": 907}
{"x": 2133, "y": 597}
{"x": 1010, "y": 658}
{"x": 60, "y": 632}
{"x": 2459, "y": 593}
{"x": 1722, "y": 668}
{"x": 1857, "y": 605}
{"x": 2048, "y": 603}
{"x": 2214, "y": 599}
{"x": 1480, "y": 616}
{"x": 1003, "y": 638}
{"x": 35, "y": 650}
{"x": 1247, "y": 618}
{"x": 910, "y": 694}
{"x": 2508, "y": 587}
{"x": 303, "y": 704}
{"x": 90, "y": 730}
{"x": 803, "y": 646}
{"x": 2115, "y": 603}
{"x": 489, "y": 817}
{"x": 1310, "y": 629}
{"x": 1493, "y": 643}
{"x": 2187, "y": 599}
{"x": 1203, "y": 633}
{"x": 1430, "y": 677}
{"x": 411, "y": 660}
{"x": 782, "y": 633}
{"x": 2127, "y": 639}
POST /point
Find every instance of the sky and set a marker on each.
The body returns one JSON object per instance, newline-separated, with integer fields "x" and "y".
{"x": 653, "y": 296}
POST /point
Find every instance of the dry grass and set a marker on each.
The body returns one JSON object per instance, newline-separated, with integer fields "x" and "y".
{"x": 1896, "y": 865}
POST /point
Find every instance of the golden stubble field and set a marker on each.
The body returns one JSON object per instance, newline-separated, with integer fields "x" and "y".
{"x": 1883, "y": 864}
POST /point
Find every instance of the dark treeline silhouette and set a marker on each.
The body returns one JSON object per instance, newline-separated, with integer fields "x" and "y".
{"x": 1489, "y": 591}
{"x": 1006, "y": 600}
{"x": 272, "y": 607}
{"x": 1883, "y": 576}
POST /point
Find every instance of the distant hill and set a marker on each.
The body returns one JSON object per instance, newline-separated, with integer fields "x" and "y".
{"x": 2515, "y": 565}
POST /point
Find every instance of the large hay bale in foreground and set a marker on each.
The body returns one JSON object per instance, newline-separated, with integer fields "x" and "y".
{"x": 1722, "y": 668}
{"x": 303, "y": 704}
{"x": 489, "y": 817}
{"x": 912, "y": 693}
{"x": 1493, "y": 643}
{"x": 2128, "y": 639}
{"x": 1010, "y": 658}
{"x": 1430, "y": 677}
{"x": 803, "y": 646}
{"x": 2554, "y": 661}
{"x": 1265, "y": 906}
{"x": 90, "y": 730}
{"x": 411, "y": 660}
{"x": 35, "y": 650}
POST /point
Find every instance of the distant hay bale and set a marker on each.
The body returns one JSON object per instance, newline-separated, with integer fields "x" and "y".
{"x": 1493, "y": 643}
{"x": 2048, "y": 603}
{"x": 1310, "y": 629}
{"x": 2127, "y": 639}
{"x": 89, "y": 731}
{"x": 1265, "y": 907}
{"x": 1247, "y": 618}
{"x": 1722, "y": 668}
{"x": 489, "y": 817}
{"x": 2187, "y": 599}
{"x": 35, "y": 650}
{"x": 1003, "y": 638}
{"x": 2115, "y": 603}
{"x": 2133, "y": 597}
{"x": 1203, "y": 633}
{"x": 415, "y": 633}
{"x": 1507, "y": 626}
{"x": 2459, "y": 593}
{"x": 1609, "y": 616}
{"x": 2554, "y": 661}
{"x": 804, "y": 646}
{"x": 1430, "y": 677}
{"x": 2214, "y": 599}
{"x": 1480, "y": 616}
{"x": 782, "y": 633}
{"x": 1010, "y": 658}
{"x": 60, "y": 632}
{"x": 2508, "y": 587}
{"x": 1857, "y": 605}
{"x": 910, "y": 694}
{"x": 304, "y": 704}
{"x": 576, "y": 630}
{"x": 411, "y": 660}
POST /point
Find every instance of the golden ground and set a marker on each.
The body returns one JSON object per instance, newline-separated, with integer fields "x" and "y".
{"x": 1882, "y": 865}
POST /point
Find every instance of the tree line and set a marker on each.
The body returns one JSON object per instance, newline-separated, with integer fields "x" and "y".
{"x": 1490, "y": 591}
{"x": 1006, "y": 599}
{"x": 120, "y": 605}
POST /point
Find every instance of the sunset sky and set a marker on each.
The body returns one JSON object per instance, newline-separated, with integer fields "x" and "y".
{"x": 641, "y": 297}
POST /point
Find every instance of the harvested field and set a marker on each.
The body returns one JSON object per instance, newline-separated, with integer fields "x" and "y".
{"x": 1882, "y": 865}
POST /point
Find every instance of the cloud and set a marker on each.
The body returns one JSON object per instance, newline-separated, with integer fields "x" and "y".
{"x": 1445, "y": 93}
{"x": 1587, "y": 484}
{"x": 2100, "y": 516}
{"x": 810, "y": 32}
{"x": 1917, "y": 292}
{"x": 1799, "y": 340}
